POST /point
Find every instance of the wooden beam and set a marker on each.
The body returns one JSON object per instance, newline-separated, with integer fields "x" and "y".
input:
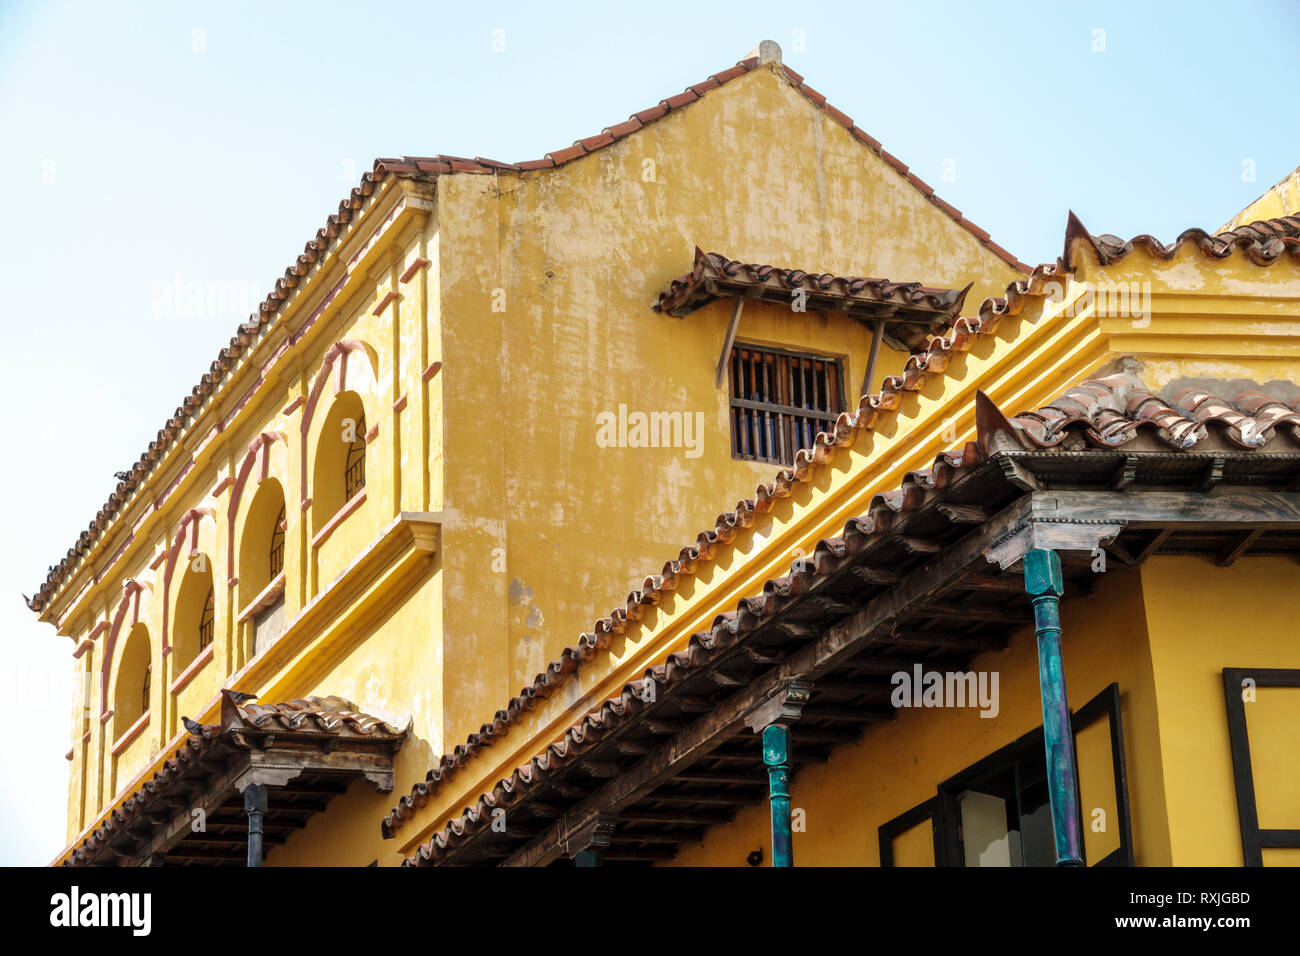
{"x": 962, "y": 514}
{"x": 877, "y": 333}
{"x": 1239, "y": 547}
{"x": 1009, "y": 614}
{"x": 729, "y": 341}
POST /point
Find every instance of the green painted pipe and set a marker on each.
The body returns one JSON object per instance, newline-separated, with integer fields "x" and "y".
{"x": 1045, "y": 584}
{"x": 776, "y": 756}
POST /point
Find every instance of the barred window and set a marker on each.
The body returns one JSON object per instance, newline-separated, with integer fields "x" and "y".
{"x": 144, "y": 691}
{"x": 208, "y": 619}
{"x": 354, "y": 474}
{"x": 780, "y": 400}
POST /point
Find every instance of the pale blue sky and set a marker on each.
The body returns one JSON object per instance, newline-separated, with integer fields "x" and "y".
{"x": 135, "y": 150}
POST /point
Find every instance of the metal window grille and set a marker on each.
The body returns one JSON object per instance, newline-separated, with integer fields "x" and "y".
{"x": 277, "y": 544}
{"x": 354, "y": 475}
{"x": 208, "y": 620}
{"x": 779, "y": 402}
{"x": 144, "y": 691}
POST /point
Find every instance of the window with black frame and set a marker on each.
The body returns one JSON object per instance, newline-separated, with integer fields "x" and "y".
{"x": 997, "y": 812}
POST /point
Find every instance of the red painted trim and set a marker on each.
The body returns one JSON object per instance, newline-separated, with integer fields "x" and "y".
{"x": 222, "y": 485}
{"x": 132, "y": 732}
{"x": 68, "y": 756}
{"x": 399, "y": 404}
{"x": 97, "y": 630}
{"x": 85, "y": 738}
{"x": 196, "y": 665}
{"x": 81, "y": 649}
{"x": 106, "y": 716}
{"x": 430, "y": 372}
{"x": 383, "y": 303}
{"x": 306, "y": 503}
{"x": 293, "y": 406}
{"x": 412, "y": 269}
{"x": 372, "y": 434}
{"x": 334, "y": 522}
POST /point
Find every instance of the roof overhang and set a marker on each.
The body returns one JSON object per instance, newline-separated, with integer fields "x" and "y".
{"x": 191, "y": 812}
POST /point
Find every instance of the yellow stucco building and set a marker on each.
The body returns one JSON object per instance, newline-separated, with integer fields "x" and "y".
{"x": 489, "y": 400}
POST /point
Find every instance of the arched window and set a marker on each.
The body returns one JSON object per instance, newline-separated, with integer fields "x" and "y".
{"x": 134, "y": 680}
{"x": 339, "y": 472}
{"x": 193, "y": 624}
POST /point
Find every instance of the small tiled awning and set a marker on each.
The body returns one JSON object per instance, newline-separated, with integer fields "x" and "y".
{"x": 191, "y": 812}
{"x": 910, "y": 312}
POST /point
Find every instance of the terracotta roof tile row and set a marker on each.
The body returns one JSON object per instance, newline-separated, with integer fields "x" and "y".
{"x": 1112, "y": 411}
{"x": 713, "y": 270}
{"x": 424, "y": 168}
{"x": 1264, "y": 241}
{"x": 332, "y": 716}
{"x": 328, "y": 715}
{"x": 919, "y": 366}
{"x": 1101, "y": 413}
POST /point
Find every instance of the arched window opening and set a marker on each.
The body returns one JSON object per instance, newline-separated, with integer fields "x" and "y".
{"x": 261, "y": 547}
{"x": 339, "y": 471}
{"x": 134, "y": 680}
{"x": 194, "y": 622}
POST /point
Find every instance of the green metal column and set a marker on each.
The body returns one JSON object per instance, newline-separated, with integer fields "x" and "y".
{"x": 1044, "y": 583}
{"x": 776, "y": 756}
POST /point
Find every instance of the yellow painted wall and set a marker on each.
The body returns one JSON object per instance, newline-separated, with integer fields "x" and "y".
{"x": 579, "y": 253}
{"x": 1201, "y": 619}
